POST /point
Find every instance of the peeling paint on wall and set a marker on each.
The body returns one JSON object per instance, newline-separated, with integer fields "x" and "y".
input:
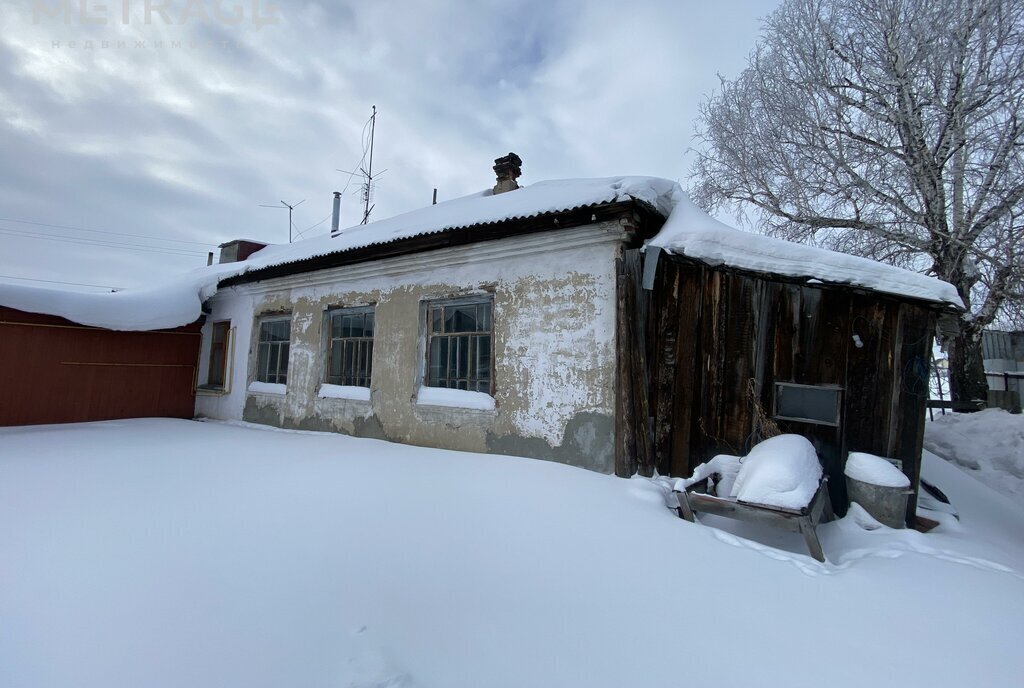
{"x": 553, "y": 344}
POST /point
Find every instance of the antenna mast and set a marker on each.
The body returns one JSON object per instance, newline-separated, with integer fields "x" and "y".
{"x": 290, "y": 208}
{"x": 368, "y": 184}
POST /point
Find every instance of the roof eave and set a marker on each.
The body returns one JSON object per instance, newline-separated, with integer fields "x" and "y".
{"x": 643, "y": 218}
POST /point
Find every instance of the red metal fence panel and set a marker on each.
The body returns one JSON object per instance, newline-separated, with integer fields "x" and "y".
{"x": 55, "y": 371}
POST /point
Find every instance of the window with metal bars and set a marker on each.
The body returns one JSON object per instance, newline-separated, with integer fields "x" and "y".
{"x": 459, "y": 335}
{"x": 350, "y": 346}
{"x": 218, "y": 353}
{"x": 272, "y": 350}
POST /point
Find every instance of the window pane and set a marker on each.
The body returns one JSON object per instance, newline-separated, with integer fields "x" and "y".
{"x": 335, "y": 367}
{"x": 459, "y": 346}
{"x": 351, "y": 347}
{"x": 814, "y": 404}
{"x": 483, "y": 357}
{"x": 442, "y": 346}
{"x": 364, "y": 359}
{"x": 283, "y": 366}
{"x": 216, "y": 376}
{"x": 220, "y": 332}
{"x": 271, "y": 351}
{"x": 261, "y": 362}
{"x": 461, "y": 319}
{"x": 462, "y": 357}
{"x": 434, "y": 363}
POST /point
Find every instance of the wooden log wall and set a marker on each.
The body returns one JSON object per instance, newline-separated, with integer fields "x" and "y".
{"x": 57, "y": 371}
{"x": 633, "y": 451}
{"x": 718, "y": 340}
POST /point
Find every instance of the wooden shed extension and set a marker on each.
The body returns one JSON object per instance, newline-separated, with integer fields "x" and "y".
{"x": 713, "y": 342}
{"x": 57, "y": 371}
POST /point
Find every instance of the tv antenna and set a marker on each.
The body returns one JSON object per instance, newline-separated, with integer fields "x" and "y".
{"x": 290, "y": 208}
{"x": 367, "y": 188}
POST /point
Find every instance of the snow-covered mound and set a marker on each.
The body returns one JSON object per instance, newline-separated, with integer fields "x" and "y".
{"x": 723, "y": 469}
{"x": 874, "y": 470}
{"x": 988, "y": 444}
{"x": 780, "y": 471}
{"x": 165, "y": 553}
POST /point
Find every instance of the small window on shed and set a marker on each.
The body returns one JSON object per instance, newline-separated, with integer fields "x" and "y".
{"x": 808, "y": 403}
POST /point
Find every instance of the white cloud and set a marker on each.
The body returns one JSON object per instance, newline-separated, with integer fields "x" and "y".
{"x": 186, "y": 142}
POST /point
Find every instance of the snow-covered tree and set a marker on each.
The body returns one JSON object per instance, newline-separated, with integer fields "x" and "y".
{"x": 892, "y": 129}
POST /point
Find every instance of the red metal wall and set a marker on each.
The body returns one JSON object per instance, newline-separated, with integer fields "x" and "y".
{"x": 55, "y": 371}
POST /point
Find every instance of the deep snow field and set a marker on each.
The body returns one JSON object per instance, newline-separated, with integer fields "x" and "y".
{"x": 150, "y": 553}
{"x": 989, "y": 445}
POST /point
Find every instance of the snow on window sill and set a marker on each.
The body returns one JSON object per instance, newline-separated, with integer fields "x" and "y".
{"x": 343, "y": 392}
{"x": 267, "y": 388}
{"x": 454, "y": 398}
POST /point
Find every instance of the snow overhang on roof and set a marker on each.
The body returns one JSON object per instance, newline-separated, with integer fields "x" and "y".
{"x": 179, "y": 301}
{"x": 688, "y": 231}
{"x": 691, "y": 232}
{"x": 169, "y": 304}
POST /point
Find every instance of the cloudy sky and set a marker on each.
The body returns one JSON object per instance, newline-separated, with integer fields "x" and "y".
{"x": 128, "y": 149}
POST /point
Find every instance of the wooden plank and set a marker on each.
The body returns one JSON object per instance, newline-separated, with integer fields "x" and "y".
{"x": 803, "y": 521}
{"x": 863, "y": 413}
{"x": 636, "y": 353}
{"x": 665, "y": 330}
{"x": 625, "y": 438}
{"x": 738, "y": 363}
{"x": 707, "y": 435}
{"x": 915, "y": 355}
{"x": 811, "y": 539}
{"x": 688, "y": 382}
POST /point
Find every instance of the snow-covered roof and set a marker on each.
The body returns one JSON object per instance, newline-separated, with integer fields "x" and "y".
{"x": 688, "y": 231}
{"x": 477, "y": 210}
{"x": 172, "y": 303}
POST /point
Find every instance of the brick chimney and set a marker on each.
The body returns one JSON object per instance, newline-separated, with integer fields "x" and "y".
{"x": 238, "y": 250}
{"x": 508, "y": 169}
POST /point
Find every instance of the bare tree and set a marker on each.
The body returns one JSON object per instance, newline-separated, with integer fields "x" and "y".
{"x": 892, "y": 129}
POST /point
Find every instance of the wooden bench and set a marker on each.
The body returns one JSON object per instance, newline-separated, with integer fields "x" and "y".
{"x": 803, "y": 521}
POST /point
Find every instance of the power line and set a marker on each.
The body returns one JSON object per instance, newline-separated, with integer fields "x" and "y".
{"x": 102, "y": 231}
{"x": 78, "y": 284}
{"x": 106, "y": 244}
{"x": 101, "y": 242}
{"x": 314, "y": 226}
